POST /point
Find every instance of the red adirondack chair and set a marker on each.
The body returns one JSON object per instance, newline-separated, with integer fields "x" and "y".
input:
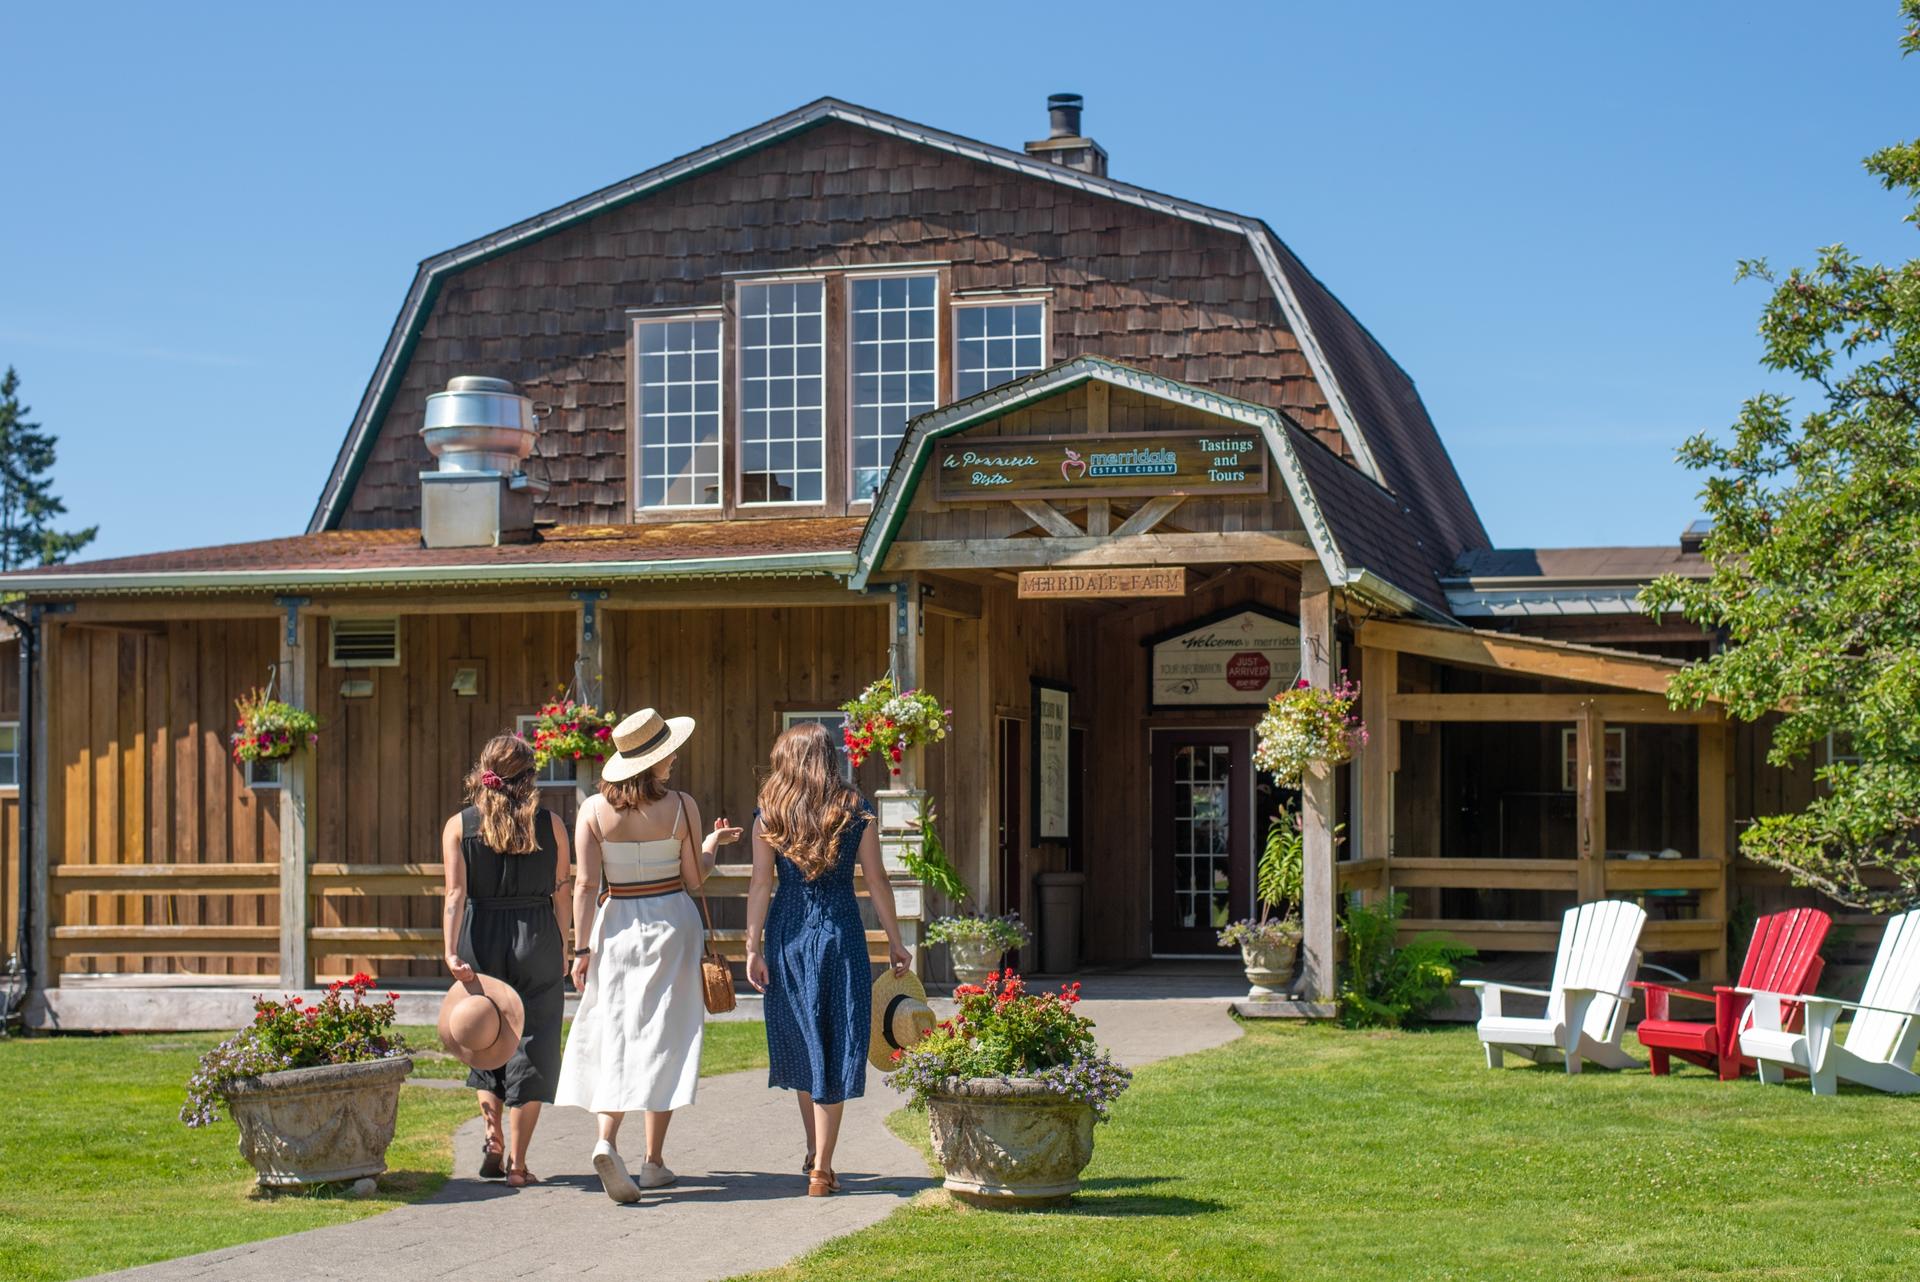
{"x": 1784, "y": 957}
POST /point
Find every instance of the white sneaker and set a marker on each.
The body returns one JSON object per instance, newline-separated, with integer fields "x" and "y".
{"x": 613, "y": 1174}
{"x": 653, "y": 1175}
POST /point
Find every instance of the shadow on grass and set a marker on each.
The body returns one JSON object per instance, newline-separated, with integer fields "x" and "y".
{"x": 1166, "y": 1205}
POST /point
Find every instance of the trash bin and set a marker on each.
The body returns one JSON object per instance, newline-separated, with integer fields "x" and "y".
{"x": 1060, "y": 894}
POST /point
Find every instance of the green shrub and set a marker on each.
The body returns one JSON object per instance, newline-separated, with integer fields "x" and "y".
{"x": 1385, "y": 985}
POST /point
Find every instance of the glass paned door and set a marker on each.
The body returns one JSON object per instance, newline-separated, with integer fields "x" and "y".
{"x": 1200, "y": 848}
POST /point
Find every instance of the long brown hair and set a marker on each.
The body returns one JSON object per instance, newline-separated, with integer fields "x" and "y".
{"x": 507, "y": 808}
{"x": 805, "y": 805}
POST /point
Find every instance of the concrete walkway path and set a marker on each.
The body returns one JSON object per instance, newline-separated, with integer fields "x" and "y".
{"x": 740, "y": 1204}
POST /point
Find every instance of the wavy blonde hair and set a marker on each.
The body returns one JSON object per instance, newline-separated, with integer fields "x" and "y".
{"x": 805, "y": 806}
{"x": 506, "y": 813}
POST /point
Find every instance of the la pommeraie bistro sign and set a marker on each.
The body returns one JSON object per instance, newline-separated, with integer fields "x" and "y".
{"x": 1120, "y": 465}
{"x": 1246, "y": 657}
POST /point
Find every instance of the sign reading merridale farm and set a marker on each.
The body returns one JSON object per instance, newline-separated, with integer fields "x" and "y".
{"x": 1060, "y": 585}
{"x": 1245, "y": 658}
{"x": 1121, "y": 465}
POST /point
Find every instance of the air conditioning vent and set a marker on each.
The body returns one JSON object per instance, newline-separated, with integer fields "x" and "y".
{"x": 365, "y": 643}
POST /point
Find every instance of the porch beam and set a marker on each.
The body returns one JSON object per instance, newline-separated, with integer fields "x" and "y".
{"x": 1148, "y": 515}
{"x": 1132, "y": 549}
{"x": 1049, "y": 518}
{"x": 955, "y": 598}
{"x": 1317, "y": 818}
{"x": 1637, "y": 709}
{"x": 1507, "y": 653}
{"x": 1379, "y": 685}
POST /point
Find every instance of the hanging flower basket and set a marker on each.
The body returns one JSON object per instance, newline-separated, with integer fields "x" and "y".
{"x": 569, "y": 731}
{"x": 881, "y": 719}
{"x": 1307, "y": 728}
{"x": 268, "y": 729}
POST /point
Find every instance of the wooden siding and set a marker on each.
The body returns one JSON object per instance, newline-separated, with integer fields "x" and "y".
{"x": 140, "y": 769}
{"x": 391, "y": 767}
{"x": 1164, "y": 294}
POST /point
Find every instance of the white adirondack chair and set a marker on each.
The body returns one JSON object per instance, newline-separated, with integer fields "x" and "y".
{"x": 1879, "y": 1047}
{"x": 1587, "y": 999}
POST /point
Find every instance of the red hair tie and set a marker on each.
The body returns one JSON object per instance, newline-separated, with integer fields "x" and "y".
{"x": 492, "y": 781}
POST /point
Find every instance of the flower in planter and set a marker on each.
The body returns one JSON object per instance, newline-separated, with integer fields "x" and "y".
{"x": 1307, "y": 728}
{"x": 565, "y": 730}
{"x": 269, "y": 730}
{"x": 1003, "y": 1030}
{"x": 295, "y": 1034}
{"x": 882, "y": 719}
{"x": 1005, "y": 933}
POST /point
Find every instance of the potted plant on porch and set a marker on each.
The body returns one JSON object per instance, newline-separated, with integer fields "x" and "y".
{"x": 1270, "y": 944}
{"x": 313, "y": 1087}
{"x": 269, "y": 729}
{"x": 1012, "y": 1085}
{"x": 975, "y": 944}
{"x": 566, "y": 730}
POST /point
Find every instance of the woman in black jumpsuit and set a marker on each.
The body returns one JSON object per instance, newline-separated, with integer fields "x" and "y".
{"x": 507, "y": 880}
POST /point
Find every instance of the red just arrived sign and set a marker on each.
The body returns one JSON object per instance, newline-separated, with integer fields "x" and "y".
{"x": 1120, "y": 465}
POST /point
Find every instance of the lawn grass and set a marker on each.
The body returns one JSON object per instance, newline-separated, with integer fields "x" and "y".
{"x": 97, "y": 1173}
{"x": 1312, "y": 1152}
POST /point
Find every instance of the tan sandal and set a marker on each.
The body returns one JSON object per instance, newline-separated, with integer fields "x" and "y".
{"x": 822, "y": 1182}
{"x": 519, "y": 1177}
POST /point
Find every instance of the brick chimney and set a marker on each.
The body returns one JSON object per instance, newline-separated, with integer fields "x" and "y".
{"x": 1064, "y": 143}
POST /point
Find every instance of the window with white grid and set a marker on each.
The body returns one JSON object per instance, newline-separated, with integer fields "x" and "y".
{"x": 994, "y": 343}
{"x": 782, "y": 349}
{"x": 678, "y": 383}
{"x": 893, "y": 344}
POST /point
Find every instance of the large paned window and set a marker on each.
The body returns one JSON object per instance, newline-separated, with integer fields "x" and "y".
{"x": 894, "y": 344}
{"x": 994, "y": 343}
{"x": 679, "y": 390}
{"x": 782, "y": 350}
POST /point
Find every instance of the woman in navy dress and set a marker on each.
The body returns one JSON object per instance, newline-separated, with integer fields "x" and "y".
{"x": 812, "y": 964}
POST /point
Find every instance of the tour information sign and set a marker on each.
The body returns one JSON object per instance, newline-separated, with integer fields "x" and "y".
{"x": 1245, "y": 658}
{"x": 1120, "y": 465}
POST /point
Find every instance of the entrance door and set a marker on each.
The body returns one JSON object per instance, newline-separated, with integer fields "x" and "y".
{"x": 1201, "y": 870}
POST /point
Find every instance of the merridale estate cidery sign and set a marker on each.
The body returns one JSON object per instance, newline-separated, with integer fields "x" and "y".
{"x": 1120, "y": 465}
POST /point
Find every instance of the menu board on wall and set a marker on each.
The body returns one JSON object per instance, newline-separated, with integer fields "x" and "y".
{"x": 1051, "y": 707}
{"x": 1245, "y": 657}
{"x": 1120, "y": 465}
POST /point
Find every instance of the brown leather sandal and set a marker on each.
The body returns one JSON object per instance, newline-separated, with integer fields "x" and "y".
{"x": 492, "y": 1161}
{"x": 519, "y": 1177}
{"x": 822, "y": 1183}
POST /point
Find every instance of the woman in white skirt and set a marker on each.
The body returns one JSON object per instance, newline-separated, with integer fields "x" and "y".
{"x": 635, "y": 1043}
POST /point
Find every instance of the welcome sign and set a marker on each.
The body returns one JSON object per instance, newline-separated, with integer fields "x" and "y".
{"x": 1247, "y": 657}
{"x": 1120, "y": 465}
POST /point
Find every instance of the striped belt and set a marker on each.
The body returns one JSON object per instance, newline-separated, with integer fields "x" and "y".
{"x": 639, "y": 889}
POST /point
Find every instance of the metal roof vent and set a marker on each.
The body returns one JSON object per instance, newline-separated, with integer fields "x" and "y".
{"x": 1064, "y": 143}
{"x": 1694, "y": 537}
{"x": 479, "y": 431}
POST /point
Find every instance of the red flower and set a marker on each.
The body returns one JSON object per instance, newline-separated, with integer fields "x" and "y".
{"x": 1301, "y": 684}
{"x": 896, "y": 1055}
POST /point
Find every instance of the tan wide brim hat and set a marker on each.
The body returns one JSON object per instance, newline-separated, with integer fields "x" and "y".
{"x": 481, "y": 1022}
{"x": 900, "y": 1017}
{"x": 643, "y": 740}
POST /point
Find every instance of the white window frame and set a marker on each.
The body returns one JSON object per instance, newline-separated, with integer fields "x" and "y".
{"x": 853, "y": 404}
{"x": 740, "y": 411}
{"x": 637, "y": 471}
{"x": 1043, "y": 302}
{"x": 834, "y": 720}
{"x": 523, "y": 727}
{"x": 259, "y": 776}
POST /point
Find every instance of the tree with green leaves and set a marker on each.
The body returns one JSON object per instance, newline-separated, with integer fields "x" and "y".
{"x": 27, "y": 502}
{"x": 1815, "y": 559}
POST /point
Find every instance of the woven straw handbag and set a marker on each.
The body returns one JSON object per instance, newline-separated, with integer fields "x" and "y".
{"x": 716, "y": 977}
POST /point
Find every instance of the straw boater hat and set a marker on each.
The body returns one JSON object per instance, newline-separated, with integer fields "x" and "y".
{"x": 901, "y": 1017}
{"x": 481, "y": 1022}
{"x": 644, "y": 739}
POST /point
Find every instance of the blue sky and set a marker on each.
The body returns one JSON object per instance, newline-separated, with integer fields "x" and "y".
{"x": 209, "y": 216}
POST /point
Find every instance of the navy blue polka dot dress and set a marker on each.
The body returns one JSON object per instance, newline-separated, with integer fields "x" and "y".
{"x": 819, "y": 982}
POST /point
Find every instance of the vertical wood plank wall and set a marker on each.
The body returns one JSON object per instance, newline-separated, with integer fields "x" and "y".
{"x": 10, "y": 854}
{"x": 141, "y": 775}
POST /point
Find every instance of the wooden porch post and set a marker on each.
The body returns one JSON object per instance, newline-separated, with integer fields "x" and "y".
{"x": 1712, "y": 790}
{"x": 903, "y": 802}
{"x": 589, "y": 642}
{"x": 299, "y": 685}
{"x": 1379, "y": 682}
{"x": 1590, "y": 802}
{"x": 1318, "y": 884}
{"x": 46, "y": 740}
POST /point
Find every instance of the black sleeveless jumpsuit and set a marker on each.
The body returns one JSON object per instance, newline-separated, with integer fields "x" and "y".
{"x": 510, "y": 933}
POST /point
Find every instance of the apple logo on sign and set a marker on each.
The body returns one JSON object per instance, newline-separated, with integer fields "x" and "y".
{"x": 1073, "y": 467}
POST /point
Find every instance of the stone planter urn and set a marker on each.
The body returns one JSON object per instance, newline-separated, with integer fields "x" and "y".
{"x": 318, "y": 1125}
{"x": 1269, "y": 966}
{"x": 1009, "y": 1142}
{"x": 973, "y": 959}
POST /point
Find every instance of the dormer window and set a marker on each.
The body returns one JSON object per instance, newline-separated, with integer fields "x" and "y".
{"x": 677, "y": 384}
{"x": 782, "y": 348}
{"x": 894, "y": 343}
{"x": 996, "y": 341}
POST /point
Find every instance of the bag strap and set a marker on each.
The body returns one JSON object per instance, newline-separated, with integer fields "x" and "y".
{"x": 706, "y": 918}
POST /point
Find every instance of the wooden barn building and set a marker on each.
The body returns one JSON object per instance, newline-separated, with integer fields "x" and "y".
{"x": 1100, "y": 467}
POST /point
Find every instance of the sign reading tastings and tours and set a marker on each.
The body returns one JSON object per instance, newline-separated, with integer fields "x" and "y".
{"x": 1121, "y": 465}
{"x": 1244, "y": 658}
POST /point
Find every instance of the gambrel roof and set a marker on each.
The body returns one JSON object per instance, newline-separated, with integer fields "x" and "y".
{"x": 1373, "y": 402}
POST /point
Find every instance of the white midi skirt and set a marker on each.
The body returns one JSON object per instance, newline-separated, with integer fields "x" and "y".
{"x": 635, "y": 1042}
